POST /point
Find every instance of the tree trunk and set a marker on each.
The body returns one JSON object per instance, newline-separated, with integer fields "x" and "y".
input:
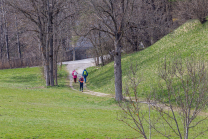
{"x": 95, "y": 59}
{"x": 187, "y": 129}
{"x": 55, "y": 63}
{"x": 7, "y": 45}
{"x": 46, "y": 70}
{"x": 102, "y": 60}
{"x": 73, "y": 45}
{"x": 117, "y": 70}
{"x": 56, "y": 49}
{"x": 47, "y": 76}
{"x": 50, "y": 31}
{"x": 74, "y": 53}
{"x": 55, "y": 68}
{"x": 1, "y": 40}
{"x": 46, "y": 66}
{"x": 18, "y": 42}
{"x": 100, "y": 47}
{"x": 45, "y": 53}
{"x": 5, "y": 30}
{"x": 51, "y": 63}
{"x": 98, "y": 61}
{"x": 135, "y": 44}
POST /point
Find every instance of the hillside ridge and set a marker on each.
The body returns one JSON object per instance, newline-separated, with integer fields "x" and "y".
{"x": 189, "y": 39}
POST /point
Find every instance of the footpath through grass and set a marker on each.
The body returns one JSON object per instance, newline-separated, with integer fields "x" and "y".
{"x": 29, "y": 110}
{"x": 189, "y": 39}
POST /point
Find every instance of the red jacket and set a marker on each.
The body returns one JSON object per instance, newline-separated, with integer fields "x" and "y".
{"x": 81, "y": 80}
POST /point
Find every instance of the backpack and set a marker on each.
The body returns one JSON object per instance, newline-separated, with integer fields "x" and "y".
{"x": 85, "y": 72}
{"x": 75, "y": 73}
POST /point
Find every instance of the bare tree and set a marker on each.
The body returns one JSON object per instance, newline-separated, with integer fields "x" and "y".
{"x": 36, "y": 12}
{"x": 132, "y": 113}
{"x": 94, "y": 41}
{"x": 179, "y": 102}
{"x": 152, "y": 20}
{"x": 112, "y": 14}
{"x": 18, "y": 41}
{"x": 1, "y": 34}
{"x": 5, "y": 27}
{"x": 192, "y": 9}
{"x": 137, "y": 22}
{"x": 189, "y": 94}
{"x": 41, "y": 15}
{"x": 50, "y": 8}
{"x": 98, "y": 40}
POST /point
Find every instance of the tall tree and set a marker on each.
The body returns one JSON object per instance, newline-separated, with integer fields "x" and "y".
{"x": 192, "y": 9}
{"x": 41, "y": 13}
{"x": 113, "y": 15}
{"x": 1, "y": 34}
{"x": 50, "y": 8}
{"x": 3, "y": 6}
{"x": 18, "y": 41}
{"x": 152, "y": 20}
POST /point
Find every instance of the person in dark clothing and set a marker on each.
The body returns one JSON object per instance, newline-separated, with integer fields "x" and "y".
{"x": 85, "y": 74}
{"x": 81, "y": 81}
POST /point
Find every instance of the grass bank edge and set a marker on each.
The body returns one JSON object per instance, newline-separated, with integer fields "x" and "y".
{"x": 188, "y": 40}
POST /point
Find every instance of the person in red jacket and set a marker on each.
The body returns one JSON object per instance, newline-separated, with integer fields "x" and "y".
{"x": 74, "y": 74}
{"x": 81, "y": 81}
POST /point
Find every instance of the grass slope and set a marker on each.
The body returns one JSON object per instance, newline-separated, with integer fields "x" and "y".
{"x": 189, "y": 39}
{"x": 29, "y": 110}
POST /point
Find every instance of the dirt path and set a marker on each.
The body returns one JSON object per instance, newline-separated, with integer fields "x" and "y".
{"x": 79, "y": 66}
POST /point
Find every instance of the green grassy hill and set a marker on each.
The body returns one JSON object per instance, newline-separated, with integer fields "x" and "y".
{"x": 189, "y": 39}
{"x": 28, "y": 110}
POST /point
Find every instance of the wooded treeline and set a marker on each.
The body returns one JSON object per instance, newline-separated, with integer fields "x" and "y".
{"x": 42, "y": 29}
{"x": 45, "y": 29}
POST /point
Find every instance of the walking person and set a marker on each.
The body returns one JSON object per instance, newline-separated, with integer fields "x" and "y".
{"x": 81, "y": 81}
{"x": 74, "y": 74}
{"x": 85, "y": 74}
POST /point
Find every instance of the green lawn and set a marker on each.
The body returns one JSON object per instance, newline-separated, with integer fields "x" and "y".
{"x": 29, "y": 110}
{"x": 189, "y": 39}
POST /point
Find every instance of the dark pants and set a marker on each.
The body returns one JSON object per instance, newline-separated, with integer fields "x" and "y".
{"x": 85, "y": 79}
{"x": 81, "y": 86}
{"x": 75, "y": 80}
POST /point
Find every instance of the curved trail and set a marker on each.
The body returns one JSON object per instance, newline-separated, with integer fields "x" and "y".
{"x": 79, "y": 66}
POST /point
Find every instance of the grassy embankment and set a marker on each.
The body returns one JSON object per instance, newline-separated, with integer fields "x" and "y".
{"x": 29, "y": 110}
{"x": 189, "y": 39}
